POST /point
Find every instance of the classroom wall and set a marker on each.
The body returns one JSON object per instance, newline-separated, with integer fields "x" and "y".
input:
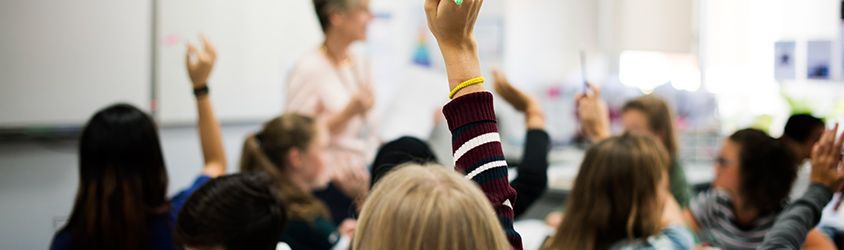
{"x": 737, "y": 50}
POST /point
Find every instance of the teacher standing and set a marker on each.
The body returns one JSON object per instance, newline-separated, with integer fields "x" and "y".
{"x": 334, "y": 85}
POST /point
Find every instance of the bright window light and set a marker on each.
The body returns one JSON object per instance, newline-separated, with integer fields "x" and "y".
{"x": 647, "y": 70}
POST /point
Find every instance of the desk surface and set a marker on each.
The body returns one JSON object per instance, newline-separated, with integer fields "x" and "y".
{"x": 565, "y": 164}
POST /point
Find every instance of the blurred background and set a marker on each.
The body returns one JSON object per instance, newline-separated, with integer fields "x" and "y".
{"x": 721, "y": 64}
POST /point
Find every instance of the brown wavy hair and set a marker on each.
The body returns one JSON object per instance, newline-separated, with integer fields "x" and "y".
{"x": 267, "y": 152}
{"x": 615, "y": 195}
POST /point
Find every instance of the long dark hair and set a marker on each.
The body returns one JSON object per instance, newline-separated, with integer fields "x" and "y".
{"x": 767, "y": 170}
{"x": 122, "y": 181}
{"x": 239, "y": 211}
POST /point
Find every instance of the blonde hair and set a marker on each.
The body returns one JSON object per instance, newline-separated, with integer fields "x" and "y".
{"x": 267, "y": 152}
{"x": 615, "y": 195}
{"x": 427, "y": 207}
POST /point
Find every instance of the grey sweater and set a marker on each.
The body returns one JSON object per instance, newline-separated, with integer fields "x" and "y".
{"x": 795, "y": 222}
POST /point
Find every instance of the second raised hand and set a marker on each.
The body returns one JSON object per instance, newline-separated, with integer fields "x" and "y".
{"x": 200, "y": 63}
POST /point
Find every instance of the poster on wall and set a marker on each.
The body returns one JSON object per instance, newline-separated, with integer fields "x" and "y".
{"x": 784, "y": 61}
{"x": 818, "y": 60}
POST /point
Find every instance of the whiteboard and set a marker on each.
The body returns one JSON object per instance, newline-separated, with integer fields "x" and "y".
{"x": 60, "y": 61}
{"x": 257, "y": 43}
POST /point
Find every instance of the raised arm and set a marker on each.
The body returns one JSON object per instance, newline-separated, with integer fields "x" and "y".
{"x": 794, "y": 224}
{"x": 532, "y": 178}
{"x": 593, "y": 114}
{"x": 471, "y": 118}
{"x": 199, "y": 64}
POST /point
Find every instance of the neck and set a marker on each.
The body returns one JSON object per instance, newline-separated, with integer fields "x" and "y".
{"x": 298, "y": 181}
{"x": 336, "y": 47}
{"x": 744, "y": 213}
{"x": 796, "y": 148}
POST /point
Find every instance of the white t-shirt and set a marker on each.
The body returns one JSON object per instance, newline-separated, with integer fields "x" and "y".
{"x": 318, "y": 88}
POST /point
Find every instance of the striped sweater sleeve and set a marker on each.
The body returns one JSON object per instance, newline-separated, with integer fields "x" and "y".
{"x": 477, "y": 151}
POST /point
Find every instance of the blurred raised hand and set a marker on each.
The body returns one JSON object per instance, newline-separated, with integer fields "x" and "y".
{"x": 521, "y": 101}
{"x": 200, "y": 62}
{"x": 593, "y": 114}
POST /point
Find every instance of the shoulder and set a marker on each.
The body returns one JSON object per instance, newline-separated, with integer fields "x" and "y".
{"x": 311, "y": 62}
{"x": 178, "y": 201}
{"x": 672, "y": 237}
{"x": 677, "y": 236}
{"x": 710, "y": 204}
{"x": 61, "y": 240}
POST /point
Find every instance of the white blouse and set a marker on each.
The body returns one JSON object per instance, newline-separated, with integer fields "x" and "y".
{"x": 318, "y": 88}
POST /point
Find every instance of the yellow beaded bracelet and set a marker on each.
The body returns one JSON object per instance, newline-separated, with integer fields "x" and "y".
{"x": 463, "y": 85}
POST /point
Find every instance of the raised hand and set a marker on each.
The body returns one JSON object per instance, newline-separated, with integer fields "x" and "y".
{"x": 826, "y": 160}
{"x": 452, "y": 25}
{"x": 200, "y": 62}
{"x": 593, "y": 114}
{"x": 518, "y": 99}
{"x": 534, "y": 117}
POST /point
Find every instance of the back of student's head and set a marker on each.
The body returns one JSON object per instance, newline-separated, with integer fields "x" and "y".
{"x": 236, "y": 212}
{"x": 802, "y": 127}
{"x": 418, "y": 207}
{"x": 398, "y": 152}
{"x": 122, "y": 181}
{"x": 766, "y": 170}
{"x": 616, "y": 194}
{"x": 268, "y": 152}
{"x": 660, "y": 120}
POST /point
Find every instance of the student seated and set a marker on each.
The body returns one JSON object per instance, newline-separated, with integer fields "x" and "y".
{"x": 290, "y": 149}
{"x": 121, "y": 202}
{"x": 532, "y": 176}
{"x": 239, "y": 211}
{"x": 801, "y": 133}
{"x": 477, "y": 155}
{"x": 798, "y": 219}
{"x": 753, "y": 178}
{"x": 427, "y": 207}
{"x": 621, "y": 200}
{"x": 647, "y": 115}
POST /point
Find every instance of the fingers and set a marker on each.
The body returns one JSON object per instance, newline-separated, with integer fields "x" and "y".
{"x": 498, "y": 76}
{"x": 190, "y": 55}
{"x": 209, "y": 47}
{"x": 829, "y": 144}
{"x": 474, "y": 14}
{"x": 596, "y": 91}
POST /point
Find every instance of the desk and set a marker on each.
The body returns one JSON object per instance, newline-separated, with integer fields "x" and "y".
{"x": 565, "y": 164}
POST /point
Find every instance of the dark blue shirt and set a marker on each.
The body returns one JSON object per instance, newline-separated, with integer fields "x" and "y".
{"x": 160, "y": 227}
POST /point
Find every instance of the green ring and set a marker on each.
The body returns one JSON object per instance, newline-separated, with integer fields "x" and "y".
{"x": 458, "y": 2}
